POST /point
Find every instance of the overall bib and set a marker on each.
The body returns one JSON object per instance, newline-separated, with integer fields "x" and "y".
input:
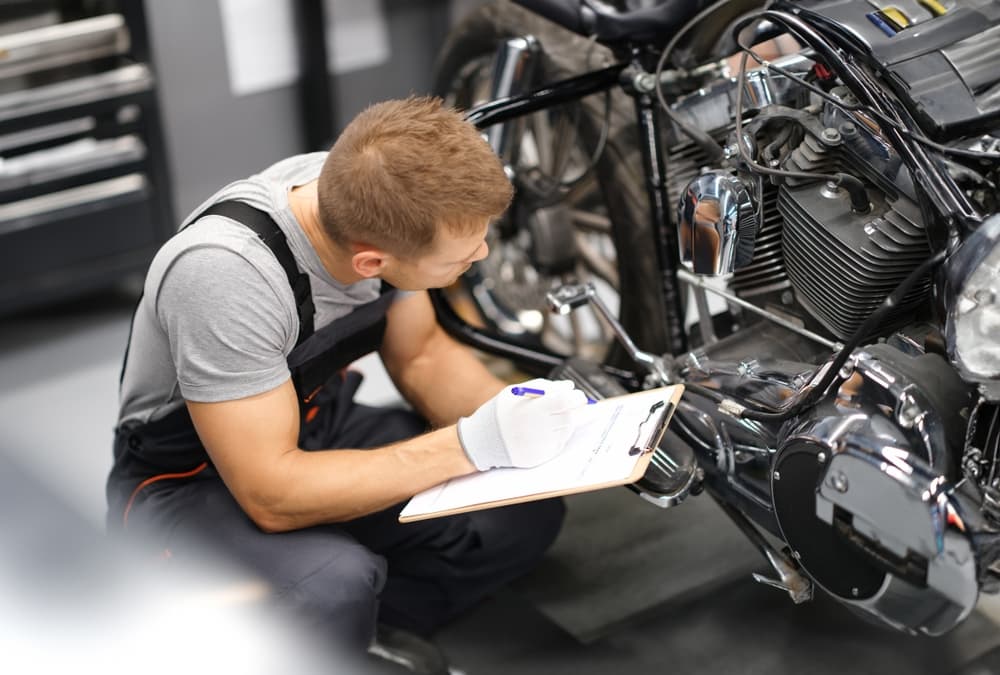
{"x": 338, "y": 577}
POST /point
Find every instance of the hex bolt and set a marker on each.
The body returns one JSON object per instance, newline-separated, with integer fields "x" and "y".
{"x": 776, "y": 475}
{"x": 821, "y": 457}
{"x": 830, "y": 136}
{"x": 847, "y": 129}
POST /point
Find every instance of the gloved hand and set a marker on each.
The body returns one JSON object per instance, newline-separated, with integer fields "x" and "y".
{"x": 521, "y": 431}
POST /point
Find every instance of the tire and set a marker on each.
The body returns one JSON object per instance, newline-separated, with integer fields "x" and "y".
{"x": 617, "y": 177}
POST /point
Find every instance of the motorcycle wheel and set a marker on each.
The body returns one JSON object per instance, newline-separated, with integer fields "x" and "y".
{"x": 596, "y": 209}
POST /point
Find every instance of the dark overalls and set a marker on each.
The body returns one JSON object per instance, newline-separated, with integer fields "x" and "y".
{"x": 337, "y": 577}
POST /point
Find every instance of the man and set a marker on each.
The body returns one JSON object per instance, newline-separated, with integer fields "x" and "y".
{"x": 234, "y": 392}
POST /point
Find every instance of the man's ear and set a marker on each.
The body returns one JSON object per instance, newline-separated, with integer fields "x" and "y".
{"x": 368, "y": 262}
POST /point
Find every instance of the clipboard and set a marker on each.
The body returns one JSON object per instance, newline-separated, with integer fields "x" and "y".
{"x": 611, "y": 445}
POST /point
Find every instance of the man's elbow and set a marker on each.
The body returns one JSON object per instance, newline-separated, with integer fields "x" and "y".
{"x": 271, "y": 523}
{"x": 264, "y": 509}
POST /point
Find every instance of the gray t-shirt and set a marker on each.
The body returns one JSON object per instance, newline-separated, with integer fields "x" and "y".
{"x": 218, "y": 318}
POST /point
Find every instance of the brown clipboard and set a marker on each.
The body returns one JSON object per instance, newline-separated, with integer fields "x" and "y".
{"x": 671, "y": 397}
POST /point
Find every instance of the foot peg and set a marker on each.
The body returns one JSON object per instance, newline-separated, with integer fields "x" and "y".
{"x": 568, "y": 297}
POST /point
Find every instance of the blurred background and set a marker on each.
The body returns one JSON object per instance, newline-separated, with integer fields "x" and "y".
{"x": 119, "y": 117}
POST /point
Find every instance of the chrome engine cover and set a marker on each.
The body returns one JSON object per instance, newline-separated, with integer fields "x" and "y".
{"x": 862, "y": 492}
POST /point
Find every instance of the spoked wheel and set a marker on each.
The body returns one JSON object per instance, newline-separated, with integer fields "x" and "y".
{"x": 579, "y": 213}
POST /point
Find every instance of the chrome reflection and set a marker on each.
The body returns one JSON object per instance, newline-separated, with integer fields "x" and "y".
{"x": 717, "y": 224}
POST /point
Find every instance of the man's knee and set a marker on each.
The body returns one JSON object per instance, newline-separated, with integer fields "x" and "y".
{"x": 339, "y": 595}
{"x": 525, "y": 530}
{"x": 547, "y": 517}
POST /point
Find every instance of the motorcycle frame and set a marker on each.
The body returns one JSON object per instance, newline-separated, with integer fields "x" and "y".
{"x": 625, "y": 74}
{"x": 538, "y": 360}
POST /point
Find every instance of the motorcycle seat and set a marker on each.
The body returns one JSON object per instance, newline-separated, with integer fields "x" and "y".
{"x": 608, "y": 25}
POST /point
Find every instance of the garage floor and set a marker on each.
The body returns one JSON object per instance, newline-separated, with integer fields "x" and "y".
{"x": 59, "y": 374}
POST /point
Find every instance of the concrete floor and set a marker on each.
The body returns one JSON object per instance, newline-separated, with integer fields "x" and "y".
{"x": 59, "y": 374}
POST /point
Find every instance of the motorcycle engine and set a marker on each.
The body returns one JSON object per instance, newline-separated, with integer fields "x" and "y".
{"x": 817, "y": 259}
{"x": 860, "y": 485}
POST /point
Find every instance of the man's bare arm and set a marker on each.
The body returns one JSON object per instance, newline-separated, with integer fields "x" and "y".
{"x": 253, "y": 444}
{"x": 441, "y": 378}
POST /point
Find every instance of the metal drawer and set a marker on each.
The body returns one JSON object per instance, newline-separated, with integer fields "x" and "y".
{"x": 74, "y": 228}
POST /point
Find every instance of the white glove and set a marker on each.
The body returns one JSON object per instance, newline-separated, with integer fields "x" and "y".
{"x": 521, "y": 431}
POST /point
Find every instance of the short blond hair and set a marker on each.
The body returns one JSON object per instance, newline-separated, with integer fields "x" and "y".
{"x": 401, "y": 170}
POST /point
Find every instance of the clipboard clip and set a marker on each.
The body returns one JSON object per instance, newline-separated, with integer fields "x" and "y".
{"x": 635, "y": 449}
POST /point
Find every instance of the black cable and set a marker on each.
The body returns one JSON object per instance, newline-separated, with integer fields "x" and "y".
{"x": 700, "y": 137}
{"x": 855, "y": 188}
{"x": 931, "y": 176}
{"x": 882, "y": 117}
{"x": 865, "y": 329}
{"x": 704, "y": 392}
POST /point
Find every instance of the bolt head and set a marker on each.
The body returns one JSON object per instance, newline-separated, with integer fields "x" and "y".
{"x": 839, "y": 482}
{"x": 830, "y": 135}
{"x": 776, "y": 475}
{"x": 821, "y": 457}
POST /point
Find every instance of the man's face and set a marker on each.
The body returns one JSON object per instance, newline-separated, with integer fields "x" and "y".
{"x": 449, "y": 258}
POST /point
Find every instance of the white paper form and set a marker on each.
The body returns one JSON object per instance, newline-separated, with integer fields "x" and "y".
{"x": 597, "y": 453}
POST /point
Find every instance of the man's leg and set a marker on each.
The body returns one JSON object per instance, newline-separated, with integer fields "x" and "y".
{"x": 440, "y": 568}
{"x": 320, "y": 575}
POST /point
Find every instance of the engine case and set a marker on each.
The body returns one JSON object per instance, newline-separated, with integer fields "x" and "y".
{"x": 862, "y": 491}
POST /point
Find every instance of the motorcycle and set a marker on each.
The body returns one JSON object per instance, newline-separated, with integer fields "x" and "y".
{"x": 808, "y": 241}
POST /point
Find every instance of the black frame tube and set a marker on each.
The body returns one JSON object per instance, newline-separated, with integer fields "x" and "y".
{"x": 665, "y": 236}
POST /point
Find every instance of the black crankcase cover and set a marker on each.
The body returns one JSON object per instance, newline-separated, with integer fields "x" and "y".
{"x": 832, "y": 562}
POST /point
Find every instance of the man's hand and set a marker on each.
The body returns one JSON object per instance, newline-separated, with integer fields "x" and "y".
{"x": 521, "y": 431}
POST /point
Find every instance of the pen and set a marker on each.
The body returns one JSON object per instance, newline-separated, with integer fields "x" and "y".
{"x": 531, "y": 391}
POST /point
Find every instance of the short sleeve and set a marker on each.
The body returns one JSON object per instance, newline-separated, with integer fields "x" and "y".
{"x": 229, "y": 325}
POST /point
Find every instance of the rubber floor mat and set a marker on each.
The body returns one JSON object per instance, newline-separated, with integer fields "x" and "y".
{"x": 619, "y": 556}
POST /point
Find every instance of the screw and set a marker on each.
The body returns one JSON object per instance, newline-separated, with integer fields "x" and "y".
{"x": 776, "y": 475}
{"x": 796, "y": 555}
{"x": 787, "y": 298}
{"x": 821, "y": 457}
{"x": 855, "y": 592}
{"x": 848, "y": 129}
{"x": 839, "y": 482}
{"x": 908, "y": 412}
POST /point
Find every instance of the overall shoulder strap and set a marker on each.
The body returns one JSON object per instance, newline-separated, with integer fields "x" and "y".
{"x": 272, "y": 236}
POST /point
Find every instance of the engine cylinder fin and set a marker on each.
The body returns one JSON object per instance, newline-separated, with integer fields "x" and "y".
{"x": 841, "y": 265}
{"x": 766, "y": 273}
